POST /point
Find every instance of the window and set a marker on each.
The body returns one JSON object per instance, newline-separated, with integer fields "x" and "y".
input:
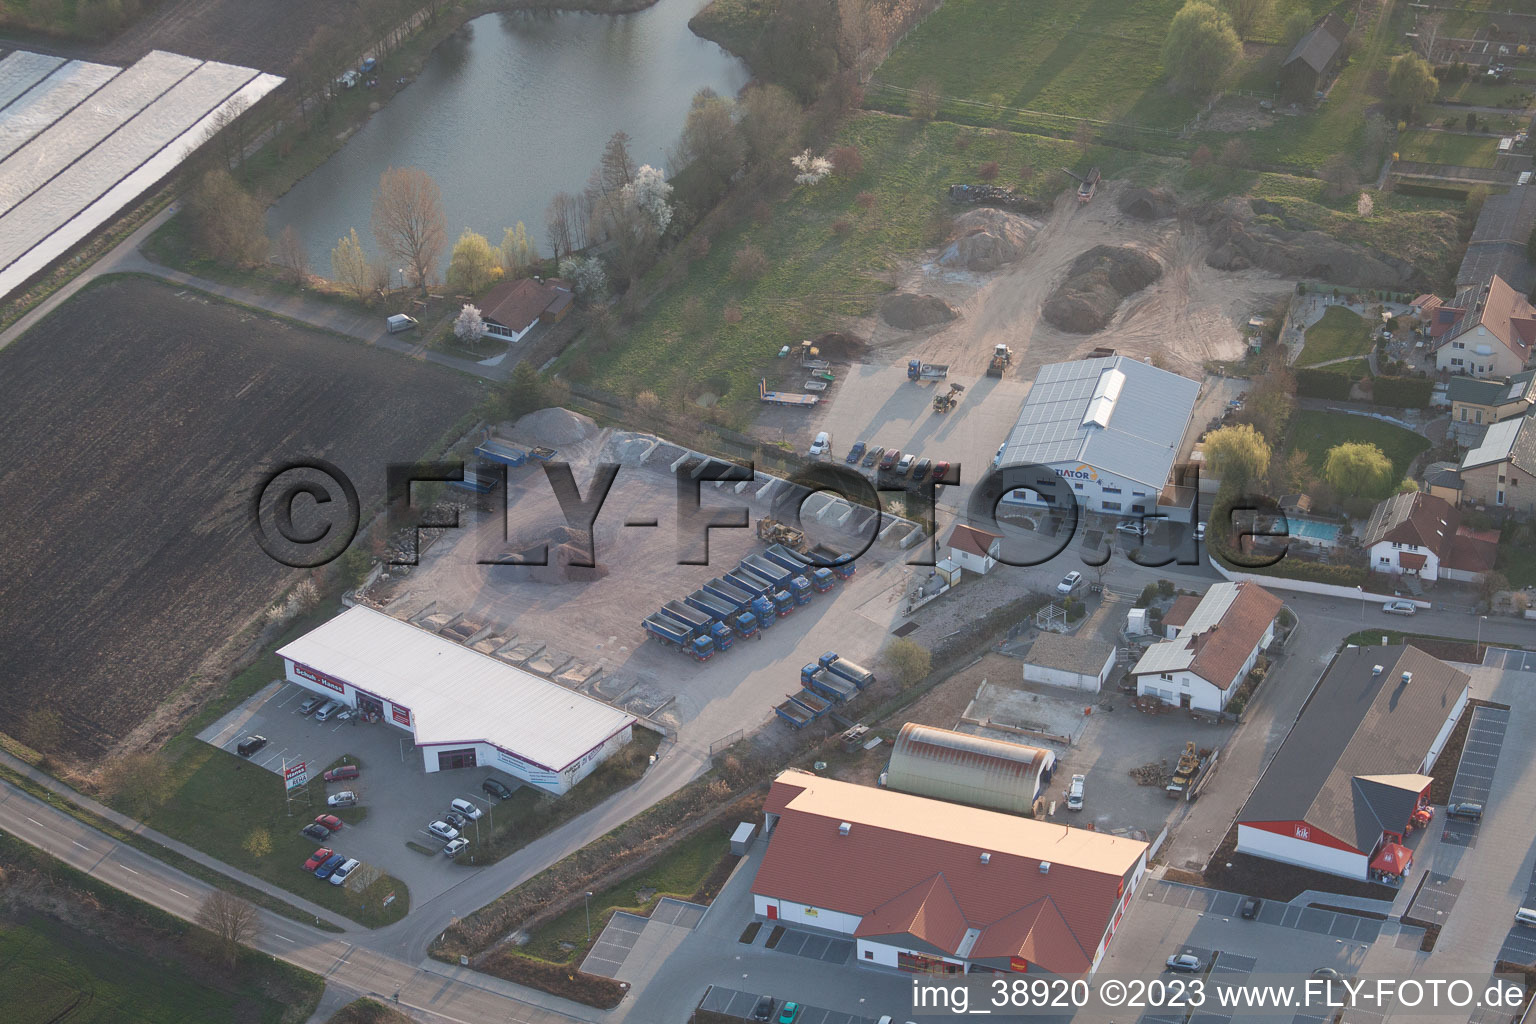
{"x": 1111, "y": 506}
{"x": 1479, "y": 415}
{"x": 1077, "y": 486}
{"x": 1165, "y": 675}
{"x": 869, "y": 954}
{"x": 1463, "y": 414}
{"x": 1138, "y": 494}
{"x": 1457, "y": 344}
{"x": 1111, "y": 490}
{"x": 1456, "y": 362}
{"x": 1384, "y": 560}
{"x": 1395, "y": 545}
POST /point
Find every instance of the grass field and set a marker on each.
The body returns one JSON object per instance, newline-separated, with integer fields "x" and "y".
{"x": 815, "y": 274}
{"x": 368, "y": 1011}
{"x": 680, "y": 874}
{"x": 52, "y": 972}
{"x": 1516, "y": 560}
{"x": 130, "y": 482}
{"x": 1338, "y": 334}
{"x": 1479, "y": 93}
{"x": 1315, "y": 432}
{"x": 1448, "y": 148}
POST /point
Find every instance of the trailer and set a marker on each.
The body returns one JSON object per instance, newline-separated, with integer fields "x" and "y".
{"x": 668, "y": 630}
{"x": 736, "y": 596}
{"x": 794, "y": 714}
{"x": 834, "y": 688}
{"x": 783, "y": 397}
{"x": 700, "y": 621}
{"x": 751, "y": 582}
{"x": 809, "y": 700}
{"x": 779, "y": 555}
{"x": 774, "y": 573}
{"x": 838, "y": 561}
{"x": 493, "y": 450}
{"x": 851, "y": 671}
{"x": 919, "y": 370}
{"x": 709, "y": 604}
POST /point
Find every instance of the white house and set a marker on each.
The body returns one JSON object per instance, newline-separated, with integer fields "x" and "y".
{"x": 1486, "y": 331}
{"x": 1421, "y": 534}
{"x": 1070, "y": 661}
{"x": 1203, "y": 665}
{"x": 974, "y": 550}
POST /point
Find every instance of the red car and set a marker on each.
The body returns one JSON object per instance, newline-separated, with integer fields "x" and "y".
{"x": 329, "y": 821}
{"x": 940, "y": 471}
{"x": 889, "y": 459}
{"x": 317, "y": 858}
{"x": 346, "y": 771}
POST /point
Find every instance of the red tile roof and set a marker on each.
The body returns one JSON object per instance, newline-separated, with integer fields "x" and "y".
{"x": 1503, "y": 311}
{"x": 1472, "y": 550}
{"x": 1414, "y": 517}
{"x": 515, "y": 305}
{"x": 1408, "y": 560}
{"x": 910, "y": 866}
{"x": 969, "y": 538}
{"x": 1221, "y": 650}
{"x": 1178, "y": 613}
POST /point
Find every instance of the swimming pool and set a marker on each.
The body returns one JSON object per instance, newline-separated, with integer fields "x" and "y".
{"x": 1314, "y": 530}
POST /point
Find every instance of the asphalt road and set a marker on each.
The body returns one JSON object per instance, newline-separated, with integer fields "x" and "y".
{"x": 428, "y": 988}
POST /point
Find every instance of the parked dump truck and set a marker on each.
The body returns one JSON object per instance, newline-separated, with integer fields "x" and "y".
{"x": 813, "y": 703}
{"x": 766, "y": 612}
{"x": 775, "y": 532}
{"x": 919, "y": 370}
{"x": 744, "y": 625}
{"x": 839, "y": 562}
{"x": 947, "y": 400}
{"x": 834, "y": 688}
{"x": 794, "y": 714}
{"x": 716, "y": 607}
{"x": 769, "y": 570}
{"x": 1002, "y": 358}
{"x": 778, "y": 554}
{"x": 700, "y": 621}
{"x": 800, "y": 590}
{"x": 668, "y": 630}
{"x": 823, "y": 580}
{"x": 701, "y": 648}
{"x": 851, "y": 671}
{"x": 732, "y": 593}
{"x": 783, "y": 603}
{"x": 783, "y": 397}
{"x": 751, "y": 582}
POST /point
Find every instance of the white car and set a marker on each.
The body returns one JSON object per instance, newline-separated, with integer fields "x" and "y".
{"x": 997, "y": 460}
{"x": 466, "y": 808}
{"x": 1075, "y": 793}
{"x": 1134, "y": 527}
{"x": 1200, "y": 531}
{"x": 346, "y": 798}
{"x": 1070, "y": 582}
{"x": 443, "y": 831}
{"x": 1399, "y": 608}
{"x": 339, "y": 876}
{"x": 453, "y": 846}
{"x": 821, "y": 445}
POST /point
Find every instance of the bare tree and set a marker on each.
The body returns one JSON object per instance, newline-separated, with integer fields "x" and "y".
{"x": 564, "y": 228}
{"x": 227, "y": 220}
{"x": 408, "y": 220}
{"x": 291, "y": 255}
{"x": 1246, "y": 15}
{"x": 349, "y": 265}
{"x": 232, "y": 920}
{"x": 857, "y": 46}
{"x": 228, "y": 131}
{"x": 772, "y": 124}
{"x": 1429, "y": 33}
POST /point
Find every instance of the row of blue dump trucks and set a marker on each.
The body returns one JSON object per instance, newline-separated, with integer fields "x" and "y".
{"x": 741, "y": 603}
{"x": 831, "y": 679}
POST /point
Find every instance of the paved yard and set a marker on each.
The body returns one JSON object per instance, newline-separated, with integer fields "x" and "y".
{"x": 401, "y": 797}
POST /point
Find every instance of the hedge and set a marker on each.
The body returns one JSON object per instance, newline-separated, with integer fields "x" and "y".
{"x": 556, "y": 979}
{"x": 1315, "y": 572}
{"x": 1313, "y": 383}
{"x": 1403, "y": 392}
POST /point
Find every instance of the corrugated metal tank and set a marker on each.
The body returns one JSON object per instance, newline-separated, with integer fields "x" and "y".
{"x": 968, "y": 769}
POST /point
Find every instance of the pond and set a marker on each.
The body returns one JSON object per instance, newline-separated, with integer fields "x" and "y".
{"x": 511, "y": 109}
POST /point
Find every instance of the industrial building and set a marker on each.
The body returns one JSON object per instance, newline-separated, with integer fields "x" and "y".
{"x": 1073, "y": 662}
{"x": 1352, "y": 777}
{"x": 932, "y": 887}
{"x": 1111, "y": 429}
{"x": 1204, "y": 661}
{"x": 967, "y": 769}
{"x": 463, "y": 709}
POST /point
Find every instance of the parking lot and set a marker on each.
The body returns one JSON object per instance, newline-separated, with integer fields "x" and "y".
{"x": 740, "y": 1004}
{"x": 399, "y": 796}
{"x": 1474, "y": 773}
{"x": 1283, "y": 915}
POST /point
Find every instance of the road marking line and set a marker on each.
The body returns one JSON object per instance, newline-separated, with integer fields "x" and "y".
{"x": 283, "y": 937}
{"x": 34, "y": 821}
{"x": 128, "y": 869}
{"x": 82, "y": 846}
{"x": 178, "y": 892}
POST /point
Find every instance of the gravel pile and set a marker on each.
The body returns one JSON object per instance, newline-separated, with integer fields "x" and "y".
{"x": 986, "y": 239}
{"x": 1095, "y": 285}
{"x": 907, "y": 312}
{"x": 554, "y": 427}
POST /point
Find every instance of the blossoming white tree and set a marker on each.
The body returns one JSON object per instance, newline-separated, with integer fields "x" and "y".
{"x": 469, "y": 327}
{"x": 813, "y": 169}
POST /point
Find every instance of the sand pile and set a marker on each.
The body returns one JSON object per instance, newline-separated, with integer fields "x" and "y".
{"x": 1239, "y": 240}
{"x": 907, "y": 312}
{"x": 986, "y": 239}
{"x": 1095, "y": 284}
{"x": 554, "y": 427}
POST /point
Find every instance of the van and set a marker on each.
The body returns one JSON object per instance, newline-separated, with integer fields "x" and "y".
{"x": 822, "y": 445}
{"x": 400, "y": 322}
{"x": 1525, "y": 915}
{"x": 250, "y": 745}
{"x": 1075, "y": 793}
{"x": 331, "y": 707}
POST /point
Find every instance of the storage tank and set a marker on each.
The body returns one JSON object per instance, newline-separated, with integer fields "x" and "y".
{"x": 968, "y": 769}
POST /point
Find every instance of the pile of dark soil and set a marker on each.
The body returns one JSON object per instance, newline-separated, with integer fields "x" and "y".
{"x": 840, "y": 345}
{"x": 907, "y": 312}
{"x": 986, "y": 239}
{"x": 1095, "y": 284}
{"x": 1241, "y": 240}
{"x": 1148, "y": 203}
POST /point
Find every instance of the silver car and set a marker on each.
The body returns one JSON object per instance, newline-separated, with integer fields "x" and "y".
{"x": 443, "y": 831}
{"x": 1399, "y": 608}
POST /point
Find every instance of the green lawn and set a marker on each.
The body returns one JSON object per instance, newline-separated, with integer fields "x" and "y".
{"x": 1447, "y": 148}
{"x": 50, "y": 971}
{"x": 1338, "y": 334}
{"x": 1517, "y": 561}
{"x": 1355, "y": 369}
{"x": 680, "y": 873}
{"x": 1479, "y": 93}
{"x": 1315, "y": 432}
{"x": 816, "y": 276}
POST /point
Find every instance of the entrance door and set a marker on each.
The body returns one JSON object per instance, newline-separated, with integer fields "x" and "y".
{"x": 1184, "y": 700}
{"x": 447, "y": 760}
{"x": 773, "y": 912}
